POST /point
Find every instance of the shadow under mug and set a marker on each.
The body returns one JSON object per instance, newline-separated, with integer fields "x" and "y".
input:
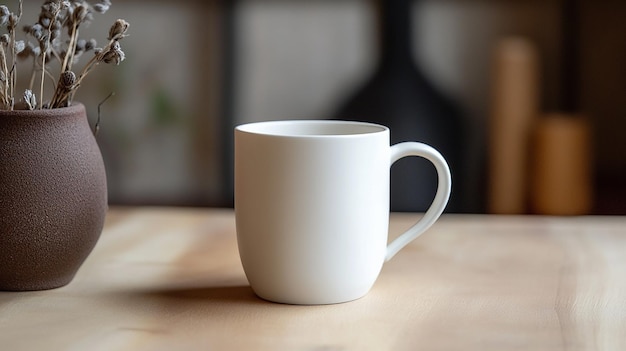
{"x": 312, "y": 207}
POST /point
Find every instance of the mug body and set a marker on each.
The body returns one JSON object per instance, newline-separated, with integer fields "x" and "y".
{"x": 312, "y": 208}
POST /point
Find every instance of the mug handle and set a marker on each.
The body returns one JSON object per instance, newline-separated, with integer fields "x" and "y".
{"x": 444, "y": 187}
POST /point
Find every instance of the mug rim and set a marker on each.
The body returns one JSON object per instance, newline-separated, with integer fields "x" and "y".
{"x": 286, "y": 128}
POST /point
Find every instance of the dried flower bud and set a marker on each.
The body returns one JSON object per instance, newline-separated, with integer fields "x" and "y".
{"x": 29, "y": 50}
{"x": 91, "y": 44}
{"x": 19, "y": 46}
{"x": 44, "y": 21}
{"x": 80, "y": 45}
{"x": 49, "y": 10}
{"x": 102, "y": 6}
{"x": 68, "y": 79}
{"x": 4, "y": 39}
{"x": 118, "y": 29}
{"x": 80, "y": 14}
{"x": 24, "y": 54}
{"x": 13, "y": 21}
{"x": 29, "y": 99}
{"x": 99, "y": 8}
{"x": 114, "y": 55}
{"x": 36, "y": 50}
{"x": 4, "y": 15}
{"x": 36, "y": 30}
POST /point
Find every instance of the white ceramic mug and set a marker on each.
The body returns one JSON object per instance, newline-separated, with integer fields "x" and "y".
{"x": 312, "y": 207}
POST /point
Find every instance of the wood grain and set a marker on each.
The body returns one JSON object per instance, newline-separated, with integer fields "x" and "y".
{"x": 170, "y": 278}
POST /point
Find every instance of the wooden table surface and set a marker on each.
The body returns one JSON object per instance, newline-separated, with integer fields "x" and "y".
{"x": 170, "y": 279}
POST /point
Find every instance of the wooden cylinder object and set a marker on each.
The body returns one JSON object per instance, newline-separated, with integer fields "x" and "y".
{"x": 561, "y": 166}
{"x": 515, "y": 96}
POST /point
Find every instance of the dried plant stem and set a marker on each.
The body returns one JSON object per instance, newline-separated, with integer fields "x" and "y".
{"x": 62, "y": 93}
{"x": 10, "y": 77}
{"x": 93, "y": 62}
{"x": 90, "y": 65}
{"x": 5, "y": 77}
{"x": 69, "y": 56}
{"x": 96, "y": 128}
{"x": 13, "y": 73}
{"x": 44, "y": 51}
{"x": 43, "y": 77}
{"x": 50, "y": 76}
{"x": 33, "y": 75}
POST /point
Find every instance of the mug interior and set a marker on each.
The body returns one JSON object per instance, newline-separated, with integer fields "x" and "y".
{"x": 312, "y": 128}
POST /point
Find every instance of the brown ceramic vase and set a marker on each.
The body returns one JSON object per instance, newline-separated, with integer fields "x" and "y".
{"x": 53, "y": 196}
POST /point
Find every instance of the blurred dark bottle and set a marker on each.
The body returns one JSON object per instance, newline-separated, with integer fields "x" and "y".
{"x": 400, "y": 96}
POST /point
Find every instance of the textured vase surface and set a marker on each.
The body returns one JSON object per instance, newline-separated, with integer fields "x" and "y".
{"x": 53, "y": 196}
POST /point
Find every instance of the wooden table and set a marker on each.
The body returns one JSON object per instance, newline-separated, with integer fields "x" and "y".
{"x": 170, "y": 279}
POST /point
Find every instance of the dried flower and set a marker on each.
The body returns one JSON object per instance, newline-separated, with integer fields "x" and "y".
{"x": 29, "y": 99}
{"x": 68, "y": 79}
{"x": 45, "y": 45}
{"x": 4, "y": 15}
{"x": 114, "y": 55}
{"x": 90, "y": 44}
{"x": 80, "y": 45}
{"x": 45, "y": 21}
{"x": 118, "y": 30}
{"x": 79, "y": 14}
{"x": 19, "y": 46}
{"x": 36, "y": 30}
{"x": 13, "y": 21}
{"x": 50, "y": 9}
{"x": 30, "y": 50}
{"x": 102, "y": 6}
{"x": 67, "y": 84}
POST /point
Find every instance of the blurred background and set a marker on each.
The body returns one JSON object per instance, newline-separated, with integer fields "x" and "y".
{"x": 483, "y": 75}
